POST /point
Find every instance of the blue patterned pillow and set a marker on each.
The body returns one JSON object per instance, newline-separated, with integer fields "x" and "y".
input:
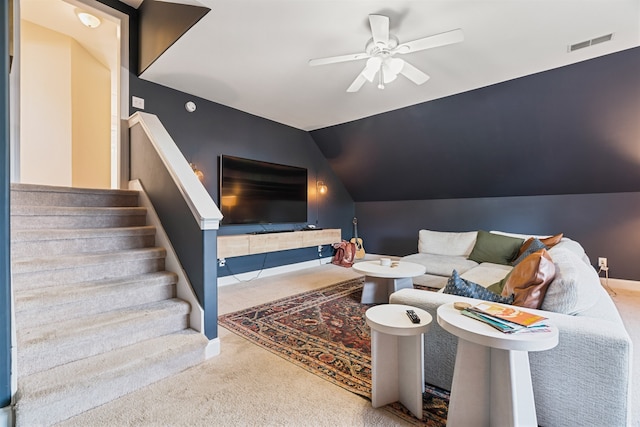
{"x": 535, "y": 246}
{"x": 456, "y": 285}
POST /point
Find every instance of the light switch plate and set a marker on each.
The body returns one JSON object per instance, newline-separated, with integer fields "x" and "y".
{"x": 137, "y": 102}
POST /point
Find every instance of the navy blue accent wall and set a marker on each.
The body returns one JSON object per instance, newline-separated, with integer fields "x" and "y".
{"x": 214, "y": 129}
{"x": 552, "y": 152}
{"x": 5, "y": 261}
{"x": 571, "y": 130}
{"x": 605, "y": 224}
{"x": 193, "y": 246}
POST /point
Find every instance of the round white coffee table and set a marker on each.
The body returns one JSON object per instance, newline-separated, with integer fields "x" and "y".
{"x": 397, "y": 356}
{"x": 381, "y": 281}
{"x": 491, "y": 378}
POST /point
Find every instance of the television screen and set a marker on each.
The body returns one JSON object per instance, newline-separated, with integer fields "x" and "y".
{"x": 255, "y": 192}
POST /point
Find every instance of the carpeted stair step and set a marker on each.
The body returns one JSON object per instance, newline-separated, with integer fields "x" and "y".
{"x": 41, "y": 306}
{"x": 48, "y": 397}
{"x": 43, "y": 217}
{"x": 29, "y": 273}
{"x": 56, "y": 344}
{"x": 44, "y": 195}
{"x": 41, "y": 242}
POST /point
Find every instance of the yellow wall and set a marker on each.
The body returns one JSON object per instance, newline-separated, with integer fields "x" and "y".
{"x": 91, "y": 118}
{"x": 65, "y": 112}
{"x": 45, "y": 106}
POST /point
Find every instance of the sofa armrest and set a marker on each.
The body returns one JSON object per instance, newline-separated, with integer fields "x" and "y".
{"x": 589, "y": 369}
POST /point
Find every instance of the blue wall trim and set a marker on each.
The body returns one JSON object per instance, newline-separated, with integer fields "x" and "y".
{"x": 5, "y": 259}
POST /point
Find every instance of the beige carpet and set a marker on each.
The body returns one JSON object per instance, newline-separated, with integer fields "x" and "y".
{"x": 249, "y": 386}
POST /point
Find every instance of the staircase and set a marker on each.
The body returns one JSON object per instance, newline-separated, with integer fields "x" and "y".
{"x": 95, "y": 312}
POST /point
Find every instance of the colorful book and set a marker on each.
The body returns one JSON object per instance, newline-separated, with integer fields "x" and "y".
{"x": 507, "y": 313}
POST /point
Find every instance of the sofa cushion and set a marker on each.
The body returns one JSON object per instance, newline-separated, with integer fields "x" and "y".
{"x": 529, "y": 280}
{"x": 532, "y": 245}
{"x": 495, "y": 248}
{"x": 576, "y": 286}
{"x": 446, "y": 243}
{"x": 465, "y": 288}
{"x": 549, "y": 242}
{"x": 441, "y": 265}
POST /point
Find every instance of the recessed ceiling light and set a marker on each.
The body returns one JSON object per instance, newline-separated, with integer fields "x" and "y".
{"x": 88, "y": 19}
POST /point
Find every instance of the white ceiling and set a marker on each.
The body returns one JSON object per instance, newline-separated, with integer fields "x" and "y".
{"x": 102, "y": 42}
{"x": 252, "y": 54}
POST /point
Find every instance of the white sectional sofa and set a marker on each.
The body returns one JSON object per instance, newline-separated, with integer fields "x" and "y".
{"x": 586, "y": 379}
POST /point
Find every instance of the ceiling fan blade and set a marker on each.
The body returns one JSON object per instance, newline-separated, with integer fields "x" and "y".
{"x": 369, "y": 72}
{"x": 379, "y": 28}
{"x": 341, "y": 58}
{"x": 357, "y": 83}
{"x": 413, "y": 74}
{"x": 442, "y": 39}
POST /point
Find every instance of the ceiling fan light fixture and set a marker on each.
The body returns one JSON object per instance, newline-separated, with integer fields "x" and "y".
{"x": 88, "y": 20}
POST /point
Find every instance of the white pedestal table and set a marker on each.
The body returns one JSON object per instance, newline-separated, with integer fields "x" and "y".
{"x": 381, "y": 281}
{"x": 491, "y": 379}
{"x": 397, "y": 356}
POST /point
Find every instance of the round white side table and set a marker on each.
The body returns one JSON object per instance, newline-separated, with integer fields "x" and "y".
{"x": 397, "y": 356}
{"x": 381, "y": 281}
{"x": 491, "y": 379}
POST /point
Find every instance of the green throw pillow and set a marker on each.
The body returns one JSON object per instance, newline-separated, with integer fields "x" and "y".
{"x": 495, "y": 248}
{"x": 498, "y": 286}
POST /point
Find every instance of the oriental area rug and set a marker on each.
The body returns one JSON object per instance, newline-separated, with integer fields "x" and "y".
{"x": 325, "y": 332}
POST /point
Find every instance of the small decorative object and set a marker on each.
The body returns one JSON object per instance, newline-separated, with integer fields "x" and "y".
{"x": 385, "y": 262}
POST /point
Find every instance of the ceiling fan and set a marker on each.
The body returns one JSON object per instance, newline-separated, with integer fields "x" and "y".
{"x": 380, "y": 51}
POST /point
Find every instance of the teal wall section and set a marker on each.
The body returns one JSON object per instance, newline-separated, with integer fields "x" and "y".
{"x": 5, "y": 265}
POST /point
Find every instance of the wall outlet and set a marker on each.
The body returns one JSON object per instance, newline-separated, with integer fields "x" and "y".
{"x": 602, "y": 262}
{"x": 222, "y": 262}
{"x": 320, "y": 250}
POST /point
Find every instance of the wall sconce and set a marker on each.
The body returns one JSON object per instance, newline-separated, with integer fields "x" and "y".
{"x": 88, "y": 19}
{"x": 322, "y": 187}
{"x": 197, "y": 171}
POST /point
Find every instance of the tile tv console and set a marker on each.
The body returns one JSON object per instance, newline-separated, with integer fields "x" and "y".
{"x": 250, "y": 244}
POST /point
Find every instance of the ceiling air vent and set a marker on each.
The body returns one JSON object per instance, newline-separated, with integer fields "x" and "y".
{"x": 591, "y": 42}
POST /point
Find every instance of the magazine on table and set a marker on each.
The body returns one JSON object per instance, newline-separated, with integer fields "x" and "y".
{"x": 507, "y": 319}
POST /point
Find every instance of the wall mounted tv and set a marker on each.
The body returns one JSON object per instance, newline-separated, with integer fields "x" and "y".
{"x": 256, "y": 192}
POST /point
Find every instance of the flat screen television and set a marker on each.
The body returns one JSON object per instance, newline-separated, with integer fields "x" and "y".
{"x": 256, "y": 192}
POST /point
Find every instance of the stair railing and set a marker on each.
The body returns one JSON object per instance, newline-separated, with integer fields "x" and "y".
{"x": 185, "y": 209}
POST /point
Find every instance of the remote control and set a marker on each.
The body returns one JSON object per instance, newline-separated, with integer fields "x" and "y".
{"x": 413, "y": 316}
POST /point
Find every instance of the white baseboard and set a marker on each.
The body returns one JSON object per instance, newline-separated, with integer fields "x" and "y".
{"x": 212, "y": 349}
{"x": 629, "y": 285}
{"x": 6, "y": 416}
{"x": 251, "y": 275}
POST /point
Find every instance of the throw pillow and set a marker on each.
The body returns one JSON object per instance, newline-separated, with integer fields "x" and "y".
{"x": 529, "y": 280}
{"x": 499, "y": 286}
{"x": 456, "y": 285}
{"x": 576, "y": 287}
{"x": 495, "y": 248}
{"x": 533, "y": 245}
{"x": 549, "y": 242}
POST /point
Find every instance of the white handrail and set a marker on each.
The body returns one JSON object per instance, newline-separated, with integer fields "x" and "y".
{"x": 202, "y": 206}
